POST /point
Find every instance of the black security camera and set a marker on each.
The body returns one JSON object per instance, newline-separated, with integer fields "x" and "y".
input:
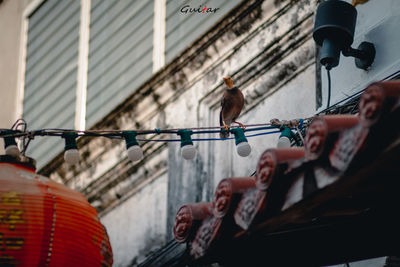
{"x": 334, "y": 27}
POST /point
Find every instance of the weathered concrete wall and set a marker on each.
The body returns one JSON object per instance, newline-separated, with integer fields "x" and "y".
{"x": 138, "y": 225}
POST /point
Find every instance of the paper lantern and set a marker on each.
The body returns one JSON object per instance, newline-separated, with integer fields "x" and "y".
{"x": 44, "y": 223}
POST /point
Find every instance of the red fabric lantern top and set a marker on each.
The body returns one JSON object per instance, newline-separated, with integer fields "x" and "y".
{"x": 44, "y": 223}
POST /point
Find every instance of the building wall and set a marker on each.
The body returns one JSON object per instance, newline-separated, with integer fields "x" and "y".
{"x": 10, "y": 30}
{"x": 268, "y": 50}
{"x": 141, "y": 226}
{"x": 267, "y": 47}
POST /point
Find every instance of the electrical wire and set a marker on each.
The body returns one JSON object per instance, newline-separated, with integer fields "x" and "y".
{"x": 356, "y": 94}
{"x": 263, "y": 128}
{"x": 119, "y": 134}
{"x": 59, "y": 133}
{"x": 329, "y": 87}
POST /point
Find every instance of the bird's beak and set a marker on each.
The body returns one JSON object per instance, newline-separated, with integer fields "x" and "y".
{"x": 228, "y": 81}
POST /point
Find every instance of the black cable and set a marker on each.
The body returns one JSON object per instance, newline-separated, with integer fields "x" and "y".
{"x": 329, "y": 88}
{"x": 352, "y": 111}
{"x": 324, "y": 111}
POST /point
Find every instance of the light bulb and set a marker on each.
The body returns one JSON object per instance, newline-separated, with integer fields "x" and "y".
{"x": 10, "y": 146}
{"x": 135, "y": 153}
{"x": 188, "y": 152}
{"x": 12, "y": 150}
{"x": 283, "y": 141}
{"x": 96, "y": 204}
{"x": 243, "y": 149}
{"x": 71, "y": 156}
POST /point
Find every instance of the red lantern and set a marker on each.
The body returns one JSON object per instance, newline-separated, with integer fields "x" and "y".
{"x": 44, "y": 223}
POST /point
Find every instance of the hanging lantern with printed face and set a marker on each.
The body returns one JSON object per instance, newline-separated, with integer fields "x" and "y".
{"x": 44, "y": 223}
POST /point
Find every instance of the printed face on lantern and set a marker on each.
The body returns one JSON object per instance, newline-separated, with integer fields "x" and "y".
{"x": 222, "y": 196}
{"x": 315, "y": 139}
{"x": 371, "y": 103}
{"x": 182, "y": 222}
{"x": 265, "y": 169}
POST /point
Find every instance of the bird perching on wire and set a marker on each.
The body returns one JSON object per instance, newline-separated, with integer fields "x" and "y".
{"x": 232, "y": 103}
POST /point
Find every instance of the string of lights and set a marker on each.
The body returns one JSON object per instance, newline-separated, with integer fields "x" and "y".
{"x": 134, "y": 151}
{"x": 188, "y": 151}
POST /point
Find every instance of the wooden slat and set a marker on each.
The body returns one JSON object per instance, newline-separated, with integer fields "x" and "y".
{"x": 51, "y": 72}
{"x": 182, "y": 29}
{"x": 120, "y": 53}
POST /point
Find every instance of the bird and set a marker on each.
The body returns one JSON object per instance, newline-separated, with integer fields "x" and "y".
{"x": 232, "y": 103}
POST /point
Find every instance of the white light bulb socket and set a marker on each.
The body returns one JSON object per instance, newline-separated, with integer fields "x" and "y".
{"x": 243, "y": 149}
{"x": 71, "y": 156}
{"x": 242, "y": 146}
{"x": 10, "y": 146}
{"x": 12, "y": 150}
{"x": 96, "y": 204}
{"x": 283, "y": 142}
{"x": 285, "y": 139}
{"x": 188, "y": 152}
{"x": 135, "y": 153}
